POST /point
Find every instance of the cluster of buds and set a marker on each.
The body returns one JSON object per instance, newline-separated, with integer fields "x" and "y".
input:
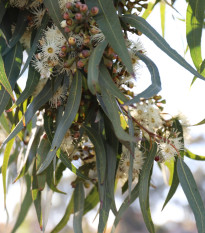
{"x": 79, "y": 26}
{"x": 128, "y": 6}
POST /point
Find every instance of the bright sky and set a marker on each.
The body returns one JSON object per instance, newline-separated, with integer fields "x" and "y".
{"x": 175, "y": 89}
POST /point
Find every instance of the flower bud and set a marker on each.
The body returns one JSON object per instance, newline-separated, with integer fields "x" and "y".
{"x": 69, "y": 22}
{"x": 84, "y": 54}
{"x": 66, "y": 15}
{"x": 78, "y": 16}
{"x": 94, "y": 11}
{"x": 69, "y": 5}
{"x": 78, "y": 4}
{"x": 81, "y": 63}
{"x": 83, "y": 8}
{"x": 71, "y": 41}
{"x": 69, "y": 62}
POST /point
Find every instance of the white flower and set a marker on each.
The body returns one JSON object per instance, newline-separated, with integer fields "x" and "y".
{"x": 63, "y": 24}
{"x": 50, "y": 50}
{"x": 62, "y": 3}
{"x": 97, "y": 38}
{"x": 18, "y": 3}
{"x": 67, "y": 143}
{"x": 54, "y": 34}
{"x": 35, "y": 3}
{"x": 42, "y": 67}
{"x": 124, "y": 164}
{"x": 170, "y": 148}
{"x": 38, "y": 13}
{"x": 58, "y": 97}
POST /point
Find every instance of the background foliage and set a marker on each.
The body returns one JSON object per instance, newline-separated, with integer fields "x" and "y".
{"x": 79, "y": 104}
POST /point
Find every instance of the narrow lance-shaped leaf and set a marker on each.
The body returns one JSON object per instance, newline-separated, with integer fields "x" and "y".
{"x": 20, "y": 28}
{"x": 93, "y": 67}
{"x": 190, "y": 189}
{"x": 35, "y": 42}
{"x": 155, "y": 87}
{"x": 55, "y": 13}
{"x": 4, "y": 80}
{"x": 79, "y": 197}
{"x": 194, "y": 26}
{"x": 132, "y": 147}
{"x": 106, "y": 81}
{"x": 162, "y": 13}
{"x": 69, "y": 210}
{"x": 91, "y": 200}
{"x": 27, "y": 201}
{"x": 174, "y": 185}
{"x": 191, "y": 155}
{"x": 31, "y": 83}
{"x": 144, "y": 187}
{"x": 100, "y": 152}
{"x": 12, "y": 63}
{"x": 70, "y": 112}
{"x": 3, "y": 8}
{"x": 7, "y": 153}
{"x": 126, "y": 203}
{"x": 109, "y": 23}
{"x": 39, "y": 101}
{"x": 112, "y": 111}
{"x": 143, "y": 26}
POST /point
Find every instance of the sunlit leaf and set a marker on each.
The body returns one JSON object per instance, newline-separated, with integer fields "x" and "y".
{"x": 194, "y": 26}
{"x": 4, "y": 80}
{"x": 191, "y": 155}
{"x": 162, "y": 13}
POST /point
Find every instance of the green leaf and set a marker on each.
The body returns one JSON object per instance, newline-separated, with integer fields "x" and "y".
{"x": 191, "y": 155}
{"x": 64, "y": 158}
{"x": 31, "y": 83}
{"x": 3, "y": 9}
{"x": 97, "y": 141}
{"x": 174, "y": 185}
{"x": 93, "y": 67}
{"x": 112, "y": 111}
{"x": 126, "y": 203}
{"x": 190, "y": 189}
{"x": 69, "y": 210}
{"x": 4, "y": 80}
{"x": 35, "y": 42}
{"x": 194, "y": 26}
{"x": 162, "y": 13}
{"x": 25, "y": 205}
{"x": 149, "y": 9}
{"x": 91, "y": 200}
{"x": 200, "y": 123}
{"x": 132, "y": 154}
{"x": 20, "y": 28}
{"x": 155, "y": 87}
{"x": 4, "y": 123}
{"x": 7, "y": 153}
{"x": 39, "y": 101}
{"x": 144, "y": 187}
{"x": 79, "y": 197}
{"x": 143, "y": 26}
{"x": 12, "y": 61}
{"x": 55, "y": 13}
{"x": 70, "y": 112}
{"x": 106, "y": 81}
{"x": 109, "y": 23}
